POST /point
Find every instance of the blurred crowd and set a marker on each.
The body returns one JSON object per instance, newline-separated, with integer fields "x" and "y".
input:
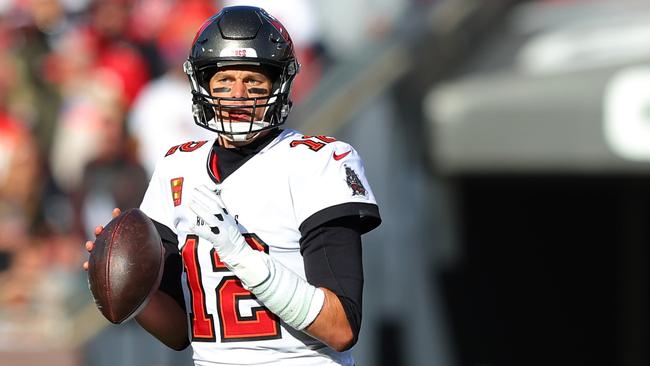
{"x": 91, "y": 94}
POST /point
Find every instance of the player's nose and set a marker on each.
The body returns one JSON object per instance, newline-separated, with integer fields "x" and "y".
{"x": 239, "y": 90}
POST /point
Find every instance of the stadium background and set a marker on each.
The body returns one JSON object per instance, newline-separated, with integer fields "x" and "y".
{"x": 508, "y": 143}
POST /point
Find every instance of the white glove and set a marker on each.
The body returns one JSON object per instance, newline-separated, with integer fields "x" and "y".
{"x": 219, "y": 227}
{"x": 221, "y": 230}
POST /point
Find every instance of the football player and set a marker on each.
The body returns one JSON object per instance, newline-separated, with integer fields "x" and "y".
{"x": 263, "y": 225}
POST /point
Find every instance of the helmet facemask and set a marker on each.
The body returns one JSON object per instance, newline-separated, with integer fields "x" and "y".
{"x": 215, "y": 113}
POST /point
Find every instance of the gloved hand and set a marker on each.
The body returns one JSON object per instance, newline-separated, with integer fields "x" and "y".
{"x": 282, "y": 291}
{"x": 219, "y": 227}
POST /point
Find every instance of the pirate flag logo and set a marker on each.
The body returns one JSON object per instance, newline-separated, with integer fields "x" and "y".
{"x": 354, "y": 182}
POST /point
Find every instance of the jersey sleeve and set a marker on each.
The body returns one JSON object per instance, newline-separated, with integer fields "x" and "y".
{"x": 331, "y": 184}
{"x": 156, "y": 202}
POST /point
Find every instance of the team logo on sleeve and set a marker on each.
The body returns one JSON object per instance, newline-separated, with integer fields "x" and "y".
{"x": 354, "y": 182}
{"x": 177, "y": 190}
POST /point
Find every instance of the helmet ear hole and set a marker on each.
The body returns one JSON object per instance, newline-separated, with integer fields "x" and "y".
{"x": 205, "y": 75}
{"x": 274, "y": 74}
{"x": 208, "y": 112}
{"x": 202, "y": 113}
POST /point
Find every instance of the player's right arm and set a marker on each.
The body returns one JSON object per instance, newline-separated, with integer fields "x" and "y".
{"x": 165, "y": 320}
{"x": 163, "y": 317}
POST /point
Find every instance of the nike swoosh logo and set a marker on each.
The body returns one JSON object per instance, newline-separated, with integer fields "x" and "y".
{"x": 341, "y": 156}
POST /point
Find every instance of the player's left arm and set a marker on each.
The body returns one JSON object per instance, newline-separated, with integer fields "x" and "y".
{"x": 332, "y": 258}
{"x": 335, "y": 209}
{"x": 331, "y": 326}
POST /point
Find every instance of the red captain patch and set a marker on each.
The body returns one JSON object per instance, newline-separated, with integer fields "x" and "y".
{"x": 177, "y": 190}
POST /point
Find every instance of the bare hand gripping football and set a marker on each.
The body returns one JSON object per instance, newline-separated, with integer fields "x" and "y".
{"x": 125, "y": 265}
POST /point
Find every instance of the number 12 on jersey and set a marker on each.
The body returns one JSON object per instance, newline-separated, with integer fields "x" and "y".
{"x": 234, "y": 326}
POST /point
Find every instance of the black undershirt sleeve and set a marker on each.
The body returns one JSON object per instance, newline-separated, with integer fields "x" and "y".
{"x": 366, "y": 214}
{"x": 171, "y": 280}
{"x": 332, "y": 259}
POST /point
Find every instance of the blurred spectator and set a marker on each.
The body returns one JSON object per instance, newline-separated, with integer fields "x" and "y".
{"x": 113, "y": 177}
{"x": 146, "y": 19}
{"x": 48, "y": 17}
{"x": 32, "y": 30}
{"x": 92, "y": 96}
{"x": 18, "y": 155}
{"x": 18, "y": 186}
{"x": 115, "y": 51}
{"x": 99, "y": 73}
{"x": 36, "y": 290}
{"x": 366, "y": 22}
{"x": 39, "y": 269}
{"x": 161, "y": 116}
{"x": 16, "y": 95}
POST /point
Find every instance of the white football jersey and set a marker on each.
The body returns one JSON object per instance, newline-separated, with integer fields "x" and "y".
{"x": 271, "y": 195}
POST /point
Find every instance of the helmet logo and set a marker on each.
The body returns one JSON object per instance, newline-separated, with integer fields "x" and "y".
{"x": 238, "y": 52}
{"x": 353, "y": 181}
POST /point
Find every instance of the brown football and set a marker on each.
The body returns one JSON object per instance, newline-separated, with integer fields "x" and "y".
{"x": 125, "y": 266}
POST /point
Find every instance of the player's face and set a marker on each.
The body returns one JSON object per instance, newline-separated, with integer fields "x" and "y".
{"x": 241, "y": 82}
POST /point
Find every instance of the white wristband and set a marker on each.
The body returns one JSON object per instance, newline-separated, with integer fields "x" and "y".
{"x": 282, "y": 291}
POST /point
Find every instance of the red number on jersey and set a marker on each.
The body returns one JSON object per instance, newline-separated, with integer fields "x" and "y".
{"x": 202, "y": 323}
{"x": 260, "y": 324}
{"x": 186, "y": 147}
{"x": 313, "y": 145}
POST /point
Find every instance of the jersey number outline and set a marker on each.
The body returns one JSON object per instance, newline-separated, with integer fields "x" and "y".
{"x": 261, "y": 324}
{"x": 312, "y": 144}
{"x": 186, "y": 147}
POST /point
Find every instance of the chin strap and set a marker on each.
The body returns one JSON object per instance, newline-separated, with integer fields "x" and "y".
{"x": 239, "y": 138}
{"x": 239, "y": 129}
